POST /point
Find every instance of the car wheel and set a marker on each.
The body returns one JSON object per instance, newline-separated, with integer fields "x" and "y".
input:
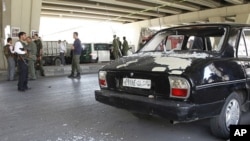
{"x": 230, "y": 115}
{"x": 142, "y": 116}
{"x": 57, "y": 62}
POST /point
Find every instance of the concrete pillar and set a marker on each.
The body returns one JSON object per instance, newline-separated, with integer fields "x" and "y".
{"x": 216, "y": 19}
{"x": 1, "y": 19}
{"x": 242, "y": 18}
{"x": 19, "y": 14}
{"x": 2, "y": 58}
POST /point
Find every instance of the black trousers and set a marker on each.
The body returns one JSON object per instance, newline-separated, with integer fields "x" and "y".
{"x": 22, "y": 74}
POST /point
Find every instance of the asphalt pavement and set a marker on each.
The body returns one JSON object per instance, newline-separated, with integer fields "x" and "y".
{"x": 61, "y": 109}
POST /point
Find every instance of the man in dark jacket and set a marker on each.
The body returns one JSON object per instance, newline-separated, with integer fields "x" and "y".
{"x": 76, "y": 49}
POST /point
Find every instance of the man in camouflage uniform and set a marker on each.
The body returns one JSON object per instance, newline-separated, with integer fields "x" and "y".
{"x": 10, "y": 56}
{"x": 125, "y": 47}
{"x": 32, "y": 51}
{"x": 115, "y": 47}
{"x": 39, "y": 46}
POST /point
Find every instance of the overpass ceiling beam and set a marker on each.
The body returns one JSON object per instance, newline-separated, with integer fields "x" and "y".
{"x": 82, "y": 10}
{"x": 102, "y": 7}
{"x": 235, "y": 1}
{"x": 207, "y": 3}
{"x": 133, "y": 5}
{"x": 71, "y": 14}
{"x": 179, "y": 5}
{"x": 230, "y": 18}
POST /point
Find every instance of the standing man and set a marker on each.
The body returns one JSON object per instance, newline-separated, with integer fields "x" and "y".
{"x": 120, "y": 46}
{"x": 76, "y": 51}
{"x": 62, "y": 49}
{"x": 9, "y": 54}
{"x": 22, "y": 62}
{"x": 32, "y": 51}
{"x": 39, "y": 46}
{"x": 115, "y": 48}
{"x": 125, "y": 47}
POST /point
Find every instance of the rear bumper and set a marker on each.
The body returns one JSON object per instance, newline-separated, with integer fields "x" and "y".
{"x": 169, "y": 109}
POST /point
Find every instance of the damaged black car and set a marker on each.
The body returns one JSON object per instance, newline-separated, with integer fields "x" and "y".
{"x": 184, "y": 74}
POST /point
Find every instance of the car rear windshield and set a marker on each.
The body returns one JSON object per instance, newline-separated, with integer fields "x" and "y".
{"x": 203, "y": 38}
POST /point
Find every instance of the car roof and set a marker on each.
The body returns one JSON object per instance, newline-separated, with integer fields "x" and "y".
{"x": 209, "y": 25}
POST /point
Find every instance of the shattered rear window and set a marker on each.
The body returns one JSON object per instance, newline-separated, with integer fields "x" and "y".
{"x": 203, "y": 38}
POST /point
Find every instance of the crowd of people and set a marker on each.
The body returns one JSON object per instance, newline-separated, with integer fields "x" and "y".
{"x": 23, "y": 57}
{"x": 119, "y": 48}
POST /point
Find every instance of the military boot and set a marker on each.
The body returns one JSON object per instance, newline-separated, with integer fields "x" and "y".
{"x": 78, "y": 76}
{"x": 71, "y": 75}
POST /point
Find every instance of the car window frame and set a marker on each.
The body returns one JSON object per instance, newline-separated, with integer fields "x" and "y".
{"x": 243, "y": 36}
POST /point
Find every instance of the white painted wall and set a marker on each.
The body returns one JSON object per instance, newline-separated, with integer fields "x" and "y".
{"x": 56, "y": 28}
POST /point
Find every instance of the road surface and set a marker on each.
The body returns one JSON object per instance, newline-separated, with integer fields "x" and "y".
{"x": 63, "y": 109}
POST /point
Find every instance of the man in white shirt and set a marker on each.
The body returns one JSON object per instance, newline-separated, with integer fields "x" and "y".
{"x": 22, "y": 62}
{"x": 62, "y": 49}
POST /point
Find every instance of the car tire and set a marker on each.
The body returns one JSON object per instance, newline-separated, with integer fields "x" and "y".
{"x": 57, "y": 62}
{"x": 230, "y": 115}
{"x": 142, "y": 116}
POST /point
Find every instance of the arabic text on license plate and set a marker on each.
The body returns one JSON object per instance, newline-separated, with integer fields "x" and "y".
{"x": 137, "y": 83}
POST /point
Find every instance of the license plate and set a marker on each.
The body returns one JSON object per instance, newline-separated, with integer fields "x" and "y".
{"x": 137, "y": 83}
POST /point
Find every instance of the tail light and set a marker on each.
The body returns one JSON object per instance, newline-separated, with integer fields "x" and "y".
{"x": 102, "y": 79}
{"x": 179, "y": 87}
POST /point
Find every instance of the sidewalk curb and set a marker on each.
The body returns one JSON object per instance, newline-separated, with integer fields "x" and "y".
{"x": 62, "y": 70}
